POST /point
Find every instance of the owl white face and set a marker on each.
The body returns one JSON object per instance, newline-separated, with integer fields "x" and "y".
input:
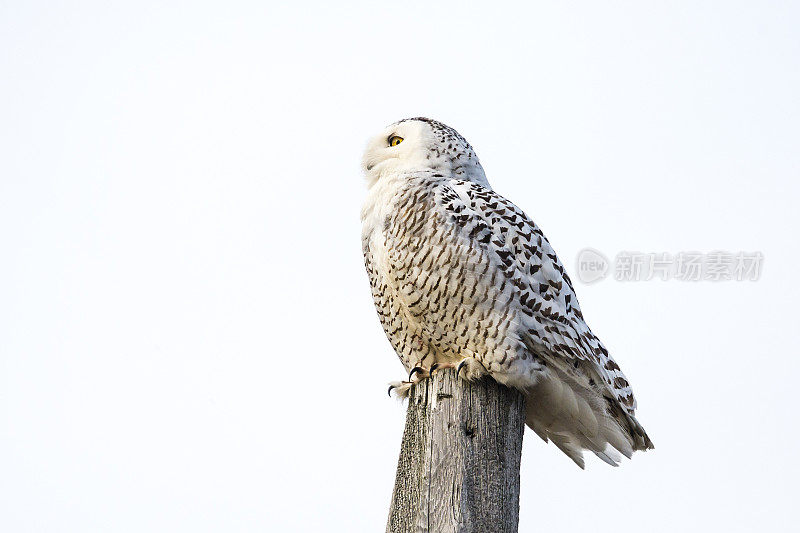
{"x": 400, "y": 146}
{"x": 420, "y": 144}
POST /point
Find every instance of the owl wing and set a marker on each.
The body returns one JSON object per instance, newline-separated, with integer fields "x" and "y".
{"x": 543, "y": 293}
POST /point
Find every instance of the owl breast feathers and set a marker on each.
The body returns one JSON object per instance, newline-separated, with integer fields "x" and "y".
{"x": 459, "y": 273}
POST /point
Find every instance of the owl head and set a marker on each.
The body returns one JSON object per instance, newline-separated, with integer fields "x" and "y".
{"x": 417, "y": 144}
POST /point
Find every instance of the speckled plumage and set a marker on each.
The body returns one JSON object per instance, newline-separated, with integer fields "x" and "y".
{"x": 459, "y": 272}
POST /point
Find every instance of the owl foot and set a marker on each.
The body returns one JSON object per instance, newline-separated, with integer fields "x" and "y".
{"x": 401, "y": 388}
{"x": 416, "y": 375}
{"x": 421, "y": 372}
{"x": 472, "y": 368}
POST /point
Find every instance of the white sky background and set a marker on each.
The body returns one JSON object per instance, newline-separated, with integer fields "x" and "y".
{"x": 187, "y": 338}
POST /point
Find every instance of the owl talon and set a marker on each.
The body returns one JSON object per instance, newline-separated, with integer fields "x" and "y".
{"x": 441, "y": 366}
{"x": 473, "y": 369}
{"x": 401, "y": 388}
{"x": 460, "y": 366}
{"x": 415, "y": 370}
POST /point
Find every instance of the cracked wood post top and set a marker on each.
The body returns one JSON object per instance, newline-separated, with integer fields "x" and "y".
{"x": 459, "y": 462}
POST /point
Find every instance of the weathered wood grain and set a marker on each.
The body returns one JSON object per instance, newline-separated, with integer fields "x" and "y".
{"x": 460, "y": 457}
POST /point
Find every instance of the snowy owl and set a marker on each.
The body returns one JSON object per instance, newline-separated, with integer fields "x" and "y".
{"x": 461, "y": 277}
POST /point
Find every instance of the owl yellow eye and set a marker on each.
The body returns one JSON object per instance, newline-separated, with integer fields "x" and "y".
{"x": 394, "y": 140}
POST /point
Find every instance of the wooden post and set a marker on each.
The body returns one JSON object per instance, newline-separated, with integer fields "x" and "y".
{"x": 460, "y": 457}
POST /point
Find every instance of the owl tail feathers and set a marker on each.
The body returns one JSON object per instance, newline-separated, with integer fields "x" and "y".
{"x": 607, "y": 445}
{"x": 640, "y": 439}
{"x": 574, "y": 422}
{"x": 570, "y": 448}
